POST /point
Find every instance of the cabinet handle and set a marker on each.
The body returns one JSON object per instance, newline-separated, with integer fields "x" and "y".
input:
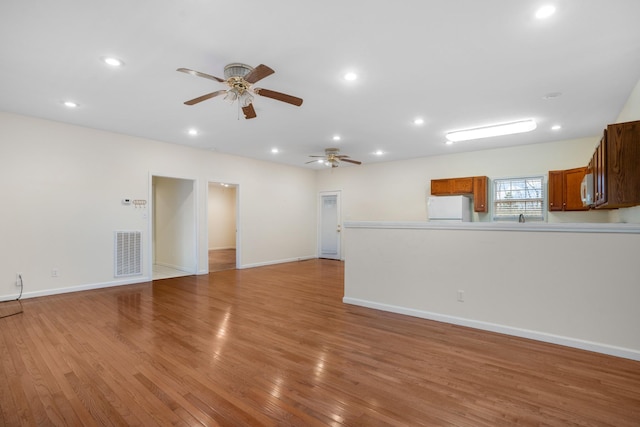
{"x": 551, "y": 203}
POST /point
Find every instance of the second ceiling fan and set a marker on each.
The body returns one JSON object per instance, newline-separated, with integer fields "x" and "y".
{"x": 240, "y": 79}
{"x": 333, "y": 157}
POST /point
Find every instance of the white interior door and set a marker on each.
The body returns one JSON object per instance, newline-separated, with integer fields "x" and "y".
{"x": 330, "y": 227}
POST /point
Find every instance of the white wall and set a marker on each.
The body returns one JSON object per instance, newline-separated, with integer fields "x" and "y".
{"x": 62, "y": 187}
{"x": 222, "y": 216}
{"x": 571, "y": 288}
{"x": 174, "y": 213}
{"x": 397, "y": 191}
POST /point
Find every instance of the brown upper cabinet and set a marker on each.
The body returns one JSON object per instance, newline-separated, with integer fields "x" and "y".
{"x": 480, "y": 194}
{"x": 475, "y": 185}
{"x": 615, "y": 167}
{"x": 564, "y": 190}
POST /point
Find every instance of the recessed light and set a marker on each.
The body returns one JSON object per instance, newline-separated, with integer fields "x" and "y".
{"x": 70, "y": 104}
{"x": 379, "y": 153}
{"x": 449, "y": 142}
{"x": 492, "y": 130}
{"x": 112, "y": 61}
{"x": 556, "y": 127}
{"x": 274, "y": 150}
{"x": 350, "y": 76}
{"x": 545, "y": 11}
{"x": 193, "y": 132}
{"x": 418, "y": 121}
{"x": 336, "y": 137}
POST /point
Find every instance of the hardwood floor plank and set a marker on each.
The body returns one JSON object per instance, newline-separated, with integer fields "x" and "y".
{"x": 276, "y": 346}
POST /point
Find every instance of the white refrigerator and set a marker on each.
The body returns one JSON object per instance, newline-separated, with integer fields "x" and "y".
{"x": 449, "y": 208}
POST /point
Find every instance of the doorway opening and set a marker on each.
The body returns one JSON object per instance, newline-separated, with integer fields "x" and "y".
{"x": 222, "y": 225}
{"x": 173, "y": 227}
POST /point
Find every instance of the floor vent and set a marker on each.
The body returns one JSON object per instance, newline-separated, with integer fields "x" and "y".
{"x": 128, "y": 255}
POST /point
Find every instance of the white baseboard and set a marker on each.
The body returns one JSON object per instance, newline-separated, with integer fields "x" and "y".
{"x": 56, "y": 291}
{"x": 280, "y": 261}
{"x": 175, "y": 267}
{"x": 502, "y": 329}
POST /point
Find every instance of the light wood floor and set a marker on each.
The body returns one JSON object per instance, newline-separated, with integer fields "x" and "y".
{"x": 276, "y": 346}
{"x": 222, "y": 259}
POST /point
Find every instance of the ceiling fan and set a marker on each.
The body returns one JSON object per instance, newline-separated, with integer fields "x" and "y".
{"x": 240, "y": 79}
{"x": 333, "y": 157}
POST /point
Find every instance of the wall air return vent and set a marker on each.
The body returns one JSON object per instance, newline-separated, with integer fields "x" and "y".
{"x": 128, "y": 253}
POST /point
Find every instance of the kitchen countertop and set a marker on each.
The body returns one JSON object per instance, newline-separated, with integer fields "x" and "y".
{"x": 556, "y": 227}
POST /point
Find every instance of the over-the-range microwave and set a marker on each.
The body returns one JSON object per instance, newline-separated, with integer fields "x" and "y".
{"x": 586, "y": 190}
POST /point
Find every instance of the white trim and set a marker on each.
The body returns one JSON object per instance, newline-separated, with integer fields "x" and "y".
{"x": 174, "y": 267}
{"x": 78, "y": 288}
{"x": 557, "y": 227}
{"x": 338, "y": 194}
{"x": 502, "y": 329}
{"x": 279, "y": 261}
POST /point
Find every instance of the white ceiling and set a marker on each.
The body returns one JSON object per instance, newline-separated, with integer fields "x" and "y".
{"x": 454, "y": 63}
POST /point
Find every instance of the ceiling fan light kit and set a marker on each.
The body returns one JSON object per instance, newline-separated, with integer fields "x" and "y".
{"x": 510, "y": 128}
{"x": 240, "y": 79}
{"x": 332, "y": 157}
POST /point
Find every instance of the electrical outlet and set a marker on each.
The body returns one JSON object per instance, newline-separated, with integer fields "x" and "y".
{"x": 18, "y": 280}
{"x": 460, "y": 296}
{"x": 54, "y": 272}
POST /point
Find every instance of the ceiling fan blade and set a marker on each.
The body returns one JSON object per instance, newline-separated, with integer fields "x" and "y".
{"x": 314, "y": 161}
{"x": 199, "y": 74}
{"x": 249, "y": 112}
{"x": 205, "y": 97}
{"x": 341, "y": 156}
{"x": 278, "y": 96}
{"x": 355, "y": 162}
{"x": 258, "y": 73}
{"x": 318, "y": 156}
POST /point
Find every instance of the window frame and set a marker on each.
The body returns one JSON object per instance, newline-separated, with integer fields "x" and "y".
{"x": 544, "y": 189}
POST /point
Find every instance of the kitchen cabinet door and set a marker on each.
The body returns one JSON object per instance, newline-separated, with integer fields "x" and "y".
{"x": 572, "y": 180}
{"x": 564, "y": 190}
{"x": 441, "y": 187}
{"x": 556, "y": 191}
{"x": 480, "y": 194}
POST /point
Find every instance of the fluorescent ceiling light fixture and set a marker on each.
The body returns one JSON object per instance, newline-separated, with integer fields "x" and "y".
{"x": 114, "y": 62}
{"x": 70, "y": 104}
{"x": 350, "y": 76}
{"x": 545, "y": 11}
{"x": 418, "y": 121}
{"x": 552, "y": 95}
{"x": 493, "y": 130}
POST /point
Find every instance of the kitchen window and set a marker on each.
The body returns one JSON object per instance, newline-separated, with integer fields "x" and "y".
{"x": 513, "y": 197}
